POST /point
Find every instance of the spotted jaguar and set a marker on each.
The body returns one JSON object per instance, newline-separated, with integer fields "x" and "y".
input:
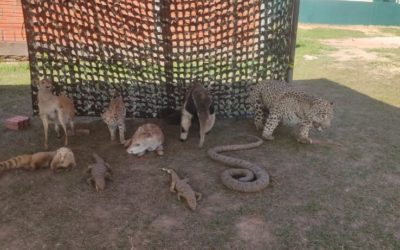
{"x": 275, "y": 102}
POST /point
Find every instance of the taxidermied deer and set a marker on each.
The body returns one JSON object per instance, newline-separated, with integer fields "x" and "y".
{"x": 57, "y": 109}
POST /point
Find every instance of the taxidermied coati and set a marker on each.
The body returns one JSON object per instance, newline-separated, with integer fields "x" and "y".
{"x": 198, "y": 102}
{"x": 61, "y": 158}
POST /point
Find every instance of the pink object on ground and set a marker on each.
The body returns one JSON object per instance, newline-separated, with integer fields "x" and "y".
{"x": 17, "y": 122}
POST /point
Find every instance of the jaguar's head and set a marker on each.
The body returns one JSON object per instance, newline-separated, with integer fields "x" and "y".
{"x": 322, "y": 115}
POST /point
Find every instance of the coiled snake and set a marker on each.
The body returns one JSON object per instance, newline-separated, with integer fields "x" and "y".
{"x": 248, "y": 177}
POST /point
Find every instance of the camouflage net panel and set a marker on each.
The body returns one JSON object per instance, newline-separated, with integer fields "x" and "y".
{"x": 152, "y": 50}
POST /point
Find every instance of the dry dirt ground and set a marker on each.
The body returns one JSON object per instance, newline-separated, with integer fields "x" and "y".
{"x": 320, "y": 197}
{"x": 369, "y": 51}
{"x": 360, "y": 48}
{"x": 354, "y": 48}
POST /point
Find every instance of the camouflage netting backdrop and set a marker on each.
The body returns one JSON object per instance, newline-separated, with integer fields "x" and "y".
{"x": 151, "y": 51}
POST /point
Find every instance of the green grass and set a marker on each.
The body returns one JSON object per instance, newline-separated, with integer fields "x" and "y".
{"x": 309, "y": 46}
{"x": 14, "y": 73}
{"x": 376, "y": 78}
{"x": 391, "y": 31}
{"x": 308, "y": 40}
{"x": 392, "y": 54}
{"x": 326, "y": 33}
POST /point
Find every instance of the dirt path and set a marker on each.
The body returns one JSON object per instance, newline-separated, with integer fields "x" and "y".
{"x": 366, "y": 43}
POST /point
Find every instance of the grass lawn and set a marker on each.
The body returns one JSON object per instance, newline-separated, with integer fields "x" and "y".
{"x": 376, "y": 78}
{"x": 392, "y": 31}
{"x": 14, "y": 73}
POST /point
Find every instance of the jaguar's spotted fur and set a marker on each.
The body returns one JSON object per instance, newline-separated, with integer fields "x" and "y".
{"x": 276, "y": 101}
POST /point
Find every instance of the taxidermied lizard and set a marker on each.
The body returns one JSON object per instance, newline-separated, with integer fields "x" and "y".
{"x": 100, "y": 171}
{"x": 182, "y": 188}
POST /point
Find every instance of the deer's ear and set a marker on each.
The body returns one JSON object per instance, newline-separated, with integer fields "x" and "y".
{"x": 37, "y": 82}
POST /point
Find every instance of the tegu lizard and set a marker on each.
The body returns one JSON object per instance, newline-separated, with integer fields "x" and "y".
{"x": 100, "y": 171}
{"x": 182, "y": 188}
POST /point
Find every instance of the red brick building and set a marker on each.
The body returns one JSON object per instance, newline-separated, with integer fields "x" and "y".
{"x": 11, "y": 21}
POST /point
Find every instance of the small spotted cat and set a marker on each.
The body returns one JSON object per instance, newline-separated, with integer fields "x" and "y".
{"x": 114, "y": 117}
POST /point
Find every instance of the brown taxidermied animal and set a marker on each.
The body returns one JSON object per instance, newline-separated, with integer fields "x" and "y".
{"x": 114, "y": 117}
{"x": 57, "y": 109}
{"x": 198, "y": 102}
{"x": 148, "y": 137}
{"x": 61, "y": 158}
{"x": 99, "y": 173}
{"x": 183, "y": 189}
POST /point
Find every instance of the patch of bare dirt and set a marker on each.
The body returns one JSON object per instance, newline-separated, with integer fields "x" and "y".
{"x": 393, "y": 179}
{"x": 166, "y": 223}
{"x": 359, "y": 49}
{"x": 6, "y": 231}
{"x": 397, "y": 234}
{"x": 254, "y": 231}
{"x": 365, "y": 43}
{"x": 216, "y": 202}
{"x": 349, "y": 54}
{"x": 367, "y": 29}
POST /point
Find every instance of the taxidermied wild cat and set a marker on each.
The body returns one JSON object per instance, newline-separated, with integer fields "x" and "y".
{"x": 114, "y": 117}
